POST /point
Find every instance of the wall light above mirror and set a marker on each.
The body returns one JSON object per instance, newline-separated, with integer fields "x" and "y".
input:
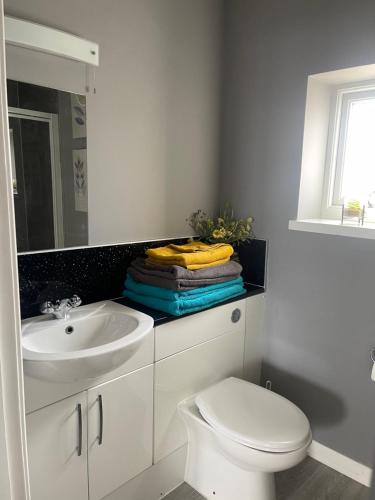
{"x": 35, "y": 36}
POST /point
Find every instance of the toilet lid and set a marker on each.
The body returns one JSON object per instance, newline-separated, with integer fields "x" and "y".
{"x": 254, "y": 416}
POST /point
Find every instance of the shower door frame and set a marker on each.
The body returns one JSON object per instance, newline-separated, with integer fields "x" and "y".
{"x": 53, "y": 122}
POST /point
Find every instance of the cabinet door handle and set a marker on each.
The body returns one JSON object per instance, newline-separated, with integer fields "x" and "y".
{"x": 100, "y": 401}
{"x": 79, "y": 447}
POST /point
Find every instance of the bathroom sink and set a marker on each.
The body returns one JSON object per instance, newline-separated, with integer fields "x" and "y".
{"x": 94, "y": 340}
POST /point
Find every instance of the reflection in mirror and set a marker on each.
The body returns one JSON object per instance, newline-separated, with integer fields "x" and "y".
{"x": 48, "y": 153}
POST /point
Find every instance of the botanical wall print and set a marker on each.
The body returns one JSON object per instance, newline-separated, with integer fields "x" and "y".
{"x": 78, "y": 116}
{"x": 80, "y": 179}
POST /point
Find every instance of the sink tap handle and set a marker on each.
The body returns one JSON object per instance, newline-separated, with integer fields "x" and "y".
{"x": 60, "y": 309}
{"x": 47, "y": 307}
{"x": 75, "y": 301}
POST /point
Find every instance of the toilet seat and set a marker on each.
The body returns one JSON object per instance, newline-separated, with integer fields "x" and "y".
{"x": 253, "y": 416}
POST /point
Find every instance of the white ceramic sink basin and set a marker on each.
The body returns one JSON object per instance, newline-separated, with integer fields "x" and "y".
{"x": 96, "y": 339}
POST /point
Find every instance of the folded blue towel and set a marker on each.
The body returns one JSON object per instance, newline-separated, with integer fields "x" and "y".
{"x": 187, "y": 304}
{"x": 167, "y": 294}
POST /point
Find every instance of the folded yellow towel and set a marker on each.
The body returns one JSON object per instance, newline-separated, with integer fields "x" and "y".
{"x": 192, "y": 267}
{"x": 195, "y": 255}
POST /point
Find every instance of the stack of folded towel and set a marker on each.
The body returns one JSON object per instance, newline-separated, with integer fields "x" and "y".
{"x": 180, "y": 279}
{"x": 195, "y": 255}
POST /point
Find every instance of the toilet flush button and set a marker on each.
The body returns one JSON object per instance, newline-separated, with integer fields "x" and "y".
{"x": 236, "y": 315}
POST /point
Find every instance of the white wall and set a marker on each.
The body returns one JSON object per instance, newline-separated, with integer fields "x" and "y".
{"x": 153, "y": 123}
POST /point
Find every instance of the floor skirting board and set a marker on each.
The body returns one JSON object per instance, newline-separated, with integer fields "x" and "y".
{"x": 347, "y": 466}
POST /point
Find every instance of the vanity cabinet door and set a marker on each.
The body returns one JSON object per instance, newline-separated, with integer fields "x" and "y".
{"x": 57, "y": 450}
{"x": 120, "y": 420}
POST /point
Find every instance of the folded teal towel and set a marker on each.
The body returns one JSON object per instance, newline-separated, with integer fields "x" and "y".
{"x": 167, "y": 294}
{"x": 185, "y": 304}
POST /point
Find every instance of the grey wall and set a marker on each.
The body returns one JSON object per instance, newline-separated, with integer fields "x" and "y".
{"x": 153, "y": 123}
{"x": 320, "y": 319}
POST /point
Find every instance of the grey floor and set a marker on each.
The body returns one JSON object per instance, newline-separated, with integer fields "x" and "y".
{"x": 308, "y": 481}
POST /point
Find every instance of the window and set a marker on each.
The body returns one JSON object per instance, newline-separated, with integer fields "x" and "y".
{"x": 350, "y": 164}
{"x": 338, "y": 153}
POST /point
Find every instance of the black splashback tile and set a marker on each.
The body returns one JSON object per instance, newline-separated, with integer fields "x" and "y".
{"x": 93, "y": 273}
{"x": 98, "y": 273}
{"x": 253, "y": 258}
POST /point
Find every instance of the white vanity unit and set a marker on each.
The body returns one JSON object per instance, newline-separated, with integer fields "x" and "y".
{"x": 118, "y": 436}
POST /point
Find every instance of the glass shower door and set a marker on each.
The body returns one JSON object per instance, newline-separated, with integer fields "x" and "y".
{"x": 33, "y": 182}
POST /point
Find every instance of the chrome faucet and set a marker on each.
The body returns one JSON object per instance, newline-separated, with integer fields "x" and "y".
{"x": 61, "y": 308}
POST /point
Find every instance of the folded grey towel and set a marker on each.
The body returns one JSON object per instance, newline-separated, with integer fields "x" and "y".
{"x": 180, "y": 278}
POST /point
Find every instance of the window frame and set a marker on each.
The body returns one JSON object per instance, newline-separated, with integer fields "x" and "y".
{"x": 341, "y": 100}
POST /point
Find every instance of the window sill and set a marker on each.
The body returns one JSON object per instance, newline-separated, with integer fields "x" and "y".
{"x": 334, "y": 227}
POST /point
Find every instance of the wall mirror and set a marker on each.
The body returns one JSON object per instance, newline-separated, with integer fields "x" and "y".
{"x": 48, "y": 143}
{"x": 153, "y": 133}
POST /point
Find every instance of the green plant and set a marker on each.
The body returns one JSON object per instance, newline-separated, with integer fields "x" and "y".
{"x": 353, "y": 207}
{"x": 222, "y": 229}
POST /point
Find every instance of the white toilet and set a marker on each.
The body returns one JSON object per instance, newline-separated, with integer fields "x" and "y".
{"x": 239, "y": 435}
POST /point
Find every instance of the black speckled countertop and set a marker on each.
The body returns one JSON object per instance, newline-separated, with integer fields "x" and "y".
{"x": 161, "y": 317}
